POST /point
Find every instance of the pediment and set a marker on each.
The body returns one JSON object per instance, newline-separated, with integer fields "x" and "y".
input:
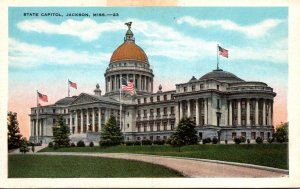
{"x": 84, "y": 98}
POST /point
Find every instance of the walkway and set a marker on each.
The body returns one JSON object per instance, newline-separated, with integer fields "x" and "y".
{"x": 188, "y": 167}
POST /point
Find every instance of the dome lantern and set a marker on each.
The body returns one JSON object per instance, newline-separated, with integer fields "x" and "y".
{"x": 129, "y": 34}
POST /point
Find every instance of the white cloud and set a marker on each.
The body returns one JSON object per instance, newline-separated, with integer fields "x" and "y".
{"x": 86, "y": 29}
{"x": 252, "y": 31}
{"x": 28, "y": 55}
{"x": 158, "y": 40}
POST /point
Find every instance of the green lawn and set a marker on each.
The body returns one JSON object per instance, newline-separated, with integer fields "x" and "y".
{"x": 272, "y": 155}
{"x": 47, "y": 166}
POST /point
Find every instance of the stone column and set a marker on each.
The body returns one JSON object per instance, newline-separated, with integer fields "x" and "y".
{"x": 151, "y": 85}
{"x": 205, "y": 111}
{"x": 76, "y": 122}
{"x": 81, "y": 121}
{"x": 177, "y": 115}
{"x": 180, "y": 111}
{"x": 140, "y": 83}
{"x": 197, "y": 112}
{"x": 93, "y": 120}
{"x": 270, "y": 113}
{"x": 230, "y": 113}
{"x": 87, "y": 119}
{"x": 134, "y": 81}
{"x": 239, "y": 112}
{"x": 70, "y": 125}
{"x": 99, "y": 119}
{"x": 188, "y": 108}
{"x": 264, "y": 112}
{"x": 248, "y": 113}
{"x": 256, "y": 112}
{"x": 115, "y": 83}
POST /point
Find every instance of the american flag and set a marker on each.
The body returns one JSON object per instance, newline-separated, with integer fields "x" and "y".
{"x": 43, "y": 97}
{"x": 72, "y": 84}
{"x": 223, "y": 52}
{"x": 127, "y": 85}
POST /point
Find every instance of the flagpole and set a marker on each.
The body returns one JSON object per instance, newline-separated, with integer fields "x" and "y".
{"x": 68, "y": 88}
{"x": 120, "y": 105}
{"x": 217, "y": 56}
{"x": 37, "y": 116}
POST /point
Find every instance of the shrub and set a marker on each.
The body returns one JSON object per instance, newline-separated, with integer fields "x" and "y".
{"x": 73, "y": 144}
{"x": 137, "y": 143}
{"x": 226, "y": 141}
{"x": 50, "y": 145}
{"x": 270, "y": 140}
{"x": 259, "y": 140}
{"x": 146, "y": 142}
{"x": 280, "y": 139}
{"x": 206, "y": 140}
{"x": 243, "y": 139}
{"x": 91, "y": 144}
{"x": 248, "y": 141}
{"x": 80, "y": 144}
{"x": 237, "y": 140}
{"x": 56, "y": 146}
{"x": 129, "y": 143}
{"x": 215, "y": 140}
{"x": 159, "y": 142}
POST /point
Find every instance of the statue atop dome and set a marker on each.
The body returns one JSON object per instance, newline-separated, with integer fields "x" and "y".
{"x": 128, "y": 24}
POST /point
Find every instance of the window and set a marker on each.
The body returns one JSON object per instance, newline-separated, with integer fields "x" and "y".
{"x": 233, "y": 135}
{"x": 151, "y": 112}
{"x": 145, "y": 128}
{"x": 138, "y": 138}
{"x": 200, "y": 135}
{"x": 151, "y": 137}
{"x": 139, "y": 113}
{"x": 262, "y": 134}
{"x": 244, "y": 134}
{"x": 139, "y": 101}
{"x": 165, "y": 126}
{"x": 193, "y": 87}
{"x": 253, "y": 135}
{"x": 127, "y": 125}
{"x": 158, "y": 126}
{"x": 184, "y": 89}
{"x": 53, "y": 110}
{"x": 157, "y": 137}
{"x": 151, "y": 126}
{"x": 218, "y": 87}
{"x": 243, "y": 106}
{"x": 145, "y": 100}
{"x": 218, "y": 103}
{"x": 151, "y": 99}
{"x": 172, "y": 97}
{"x": 158, "y": 111}
{"x": 269, "y": 135}
{"x": 145, "y": 113}
{"x": 139, "y": 127}
{"x": 165, "y": 111}
{"x": 165, "y": 137}
{"x": 172, "y": 126}
{"x": 172, "y": 110}
{"x": 165, "y": 97}
{"x": 201, "y": 86}
{"x": 158, "y": 98}
{"x": 243, "y": 120}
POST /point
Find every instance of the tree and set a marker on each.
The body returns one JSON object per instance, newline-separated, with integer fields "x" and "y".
{"x": 111, "y": 133}
{"x": 13, "y": 135}
{"x": 24, "y": 145}
{"x": 281, "y": 133}
{"x": 185, "y": 133}
{"x": 61, "y": 133}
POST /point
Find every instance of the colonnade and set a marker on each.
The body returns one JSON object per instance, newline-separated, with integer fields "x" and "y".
{"x": 142, "y": 82}
{"x": 237, "y": 112}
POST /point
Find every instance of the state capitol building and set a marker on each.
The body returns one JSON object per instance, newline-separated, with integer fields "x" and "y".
{"x": 220, "y": 103}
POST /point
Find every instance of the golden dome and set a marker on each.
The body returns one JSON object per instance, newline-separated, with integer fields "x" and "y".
{"x": 129, "y": 51}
